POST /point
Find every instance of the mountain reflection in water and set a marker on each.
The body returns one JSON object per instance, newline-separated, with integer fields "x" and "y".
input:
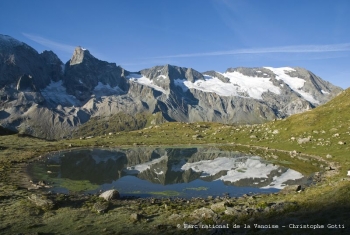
{"x": 206, "y": 170}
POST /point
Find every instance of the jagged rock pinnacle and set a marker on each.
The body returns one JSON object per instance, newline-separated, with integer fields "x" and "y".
{"x": 78, "y": 55}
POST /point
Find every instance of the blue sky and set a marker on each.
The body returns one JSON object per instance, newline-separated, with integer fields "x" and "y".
{"x": 202, "y": 34}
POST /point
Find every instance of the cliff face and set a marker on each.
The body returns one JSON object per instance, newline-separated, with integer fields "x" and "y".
{"x": 17, "y": 59}
{"x": 41, "y": 96}
{"x": 83, "y": 73}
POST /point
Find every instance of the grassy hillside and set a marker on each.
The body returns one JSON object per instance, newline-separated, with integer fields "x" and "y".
{"x": 117, "y": 122}
{"x": 325, "y": 130}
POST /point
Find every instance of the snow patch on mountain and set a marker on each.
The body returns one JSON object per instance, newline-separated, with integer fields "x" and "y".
{"x": 145, "y": 81}
{"x": 239, "y": 85}
{"x": 161, "y": 76}
{"x": 56, "y": 93}
{"x": 181, "y": 83}
{"x": 106, "y": 90}
{"x": 254, "y": 86}
{"x": 101, "y": 86}
{"x": 295, "y": 83}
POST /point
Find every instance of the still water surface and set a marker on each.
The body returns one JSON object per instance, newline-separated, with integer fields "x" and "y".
{"x": 162, "y": 172}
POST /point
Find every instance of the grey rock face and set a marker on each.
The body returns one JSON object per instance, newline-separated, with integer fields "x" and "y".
{"x": 253, "y": 72}
{"x": 218, "y": 75}
{"x": 169, "y": 73}
{"x": 78, "y": 56}
{"x": 40, "y": 201}
{"x": 43, "y": 97}
{"x": 25, "y": 83}
{"x": 204, "y": 213}
{"x": 315, "y": 86}
{"x": 17, "y": 59}
{"x": 84, "y": 72}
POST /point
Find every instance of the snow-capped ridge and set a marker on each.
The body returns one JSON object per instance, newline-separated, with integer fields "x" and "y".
{"x": 56, "y": 93}
{"x": 295, "y": 83}
{"x": 9, "y": 40}
{"x": 143, "y": 80}
{"x": 235, "y": 83}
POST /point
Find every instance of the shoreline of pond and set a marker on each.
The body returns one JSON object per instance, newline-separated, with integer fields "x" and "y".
{"x": 30, "y": 185}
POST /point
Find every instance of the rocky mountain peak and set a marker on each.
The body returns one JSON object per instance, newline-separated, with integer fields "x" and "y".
{"x": 172, "y": 72}
{"x": 50, "y": 57}
{"x": 79, "y": 54}
{"x": 193, "y": 75}
{"x": 253, "y": 72}
{"x": 84, "y": 74}
{"x": 18, "y": 59}
{"x": 6, "y": 40}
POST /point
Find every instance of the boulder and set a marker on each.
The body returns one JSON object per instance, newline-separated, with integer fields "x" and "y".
{"x": 304, "y": 140}
{"x": 110, "y": 195}
{"x": 329, "y": 156}
{"x": 220, "y": 206}
{"x": 40, "y": 201}
{"x": 204, "y": 213}
{"x": 135, "y": 217}
{"x": 100, "y": 206}
{"x": 291, "y": 189}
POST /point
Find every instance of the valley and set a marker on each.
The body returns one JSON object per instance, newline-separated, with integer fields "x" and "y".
{"x": 291, "y": 119}
{"x": 324, "y": 202}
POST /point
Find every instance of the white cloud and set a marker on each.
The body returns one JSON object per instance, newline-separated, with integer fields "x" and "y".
{"x": 50, "y": 44}
{"x": 284, "y": 49}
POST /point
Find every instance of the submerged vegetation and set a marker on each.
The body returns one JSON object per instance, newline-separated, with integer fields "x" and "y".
{"x": 317, "y": 140}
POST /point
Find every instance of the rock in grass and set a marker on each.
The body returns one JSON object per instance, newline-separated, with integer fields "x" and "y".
{"x": 40, "y": 201}
{"x": 329, "y": 156}
{"x": 204, "y": 213}
{"x": 220, "y": 206}
{"x": 291, "y": 189}
{"x": 135, "y": 217}
{"x": 231, "y": 211}
{"x": 304, "y": 140}
{"x": 100, "y": 206}
{"x": 110, "y": 195}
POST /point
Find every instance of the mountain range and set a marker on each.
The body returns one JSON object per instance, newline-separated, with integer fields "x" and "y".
{"x": 43, "y": 97}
